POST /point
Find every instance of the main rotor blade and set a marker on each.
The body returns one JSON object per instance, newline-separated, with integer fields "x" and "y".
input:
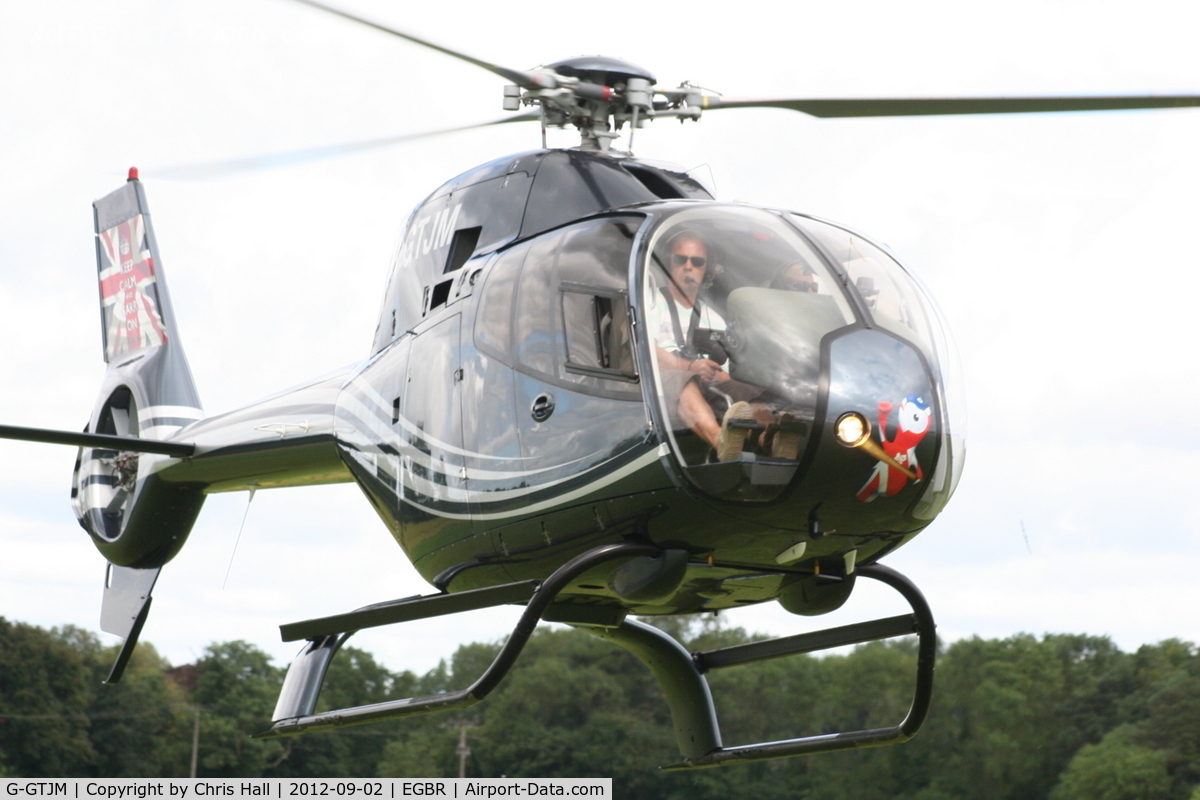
{"x": 125, "y": 443}
{"x": 523, "y": 78}
{"x": 233, "y": 166}
{"x": 925, "y": 106}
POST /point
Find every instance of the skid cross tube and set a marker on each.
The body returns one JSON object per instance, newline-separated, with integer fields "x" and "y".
{"x": 696, "y": 729}
{"x": 298, "y": 697}
{"x": 408, "y": 609}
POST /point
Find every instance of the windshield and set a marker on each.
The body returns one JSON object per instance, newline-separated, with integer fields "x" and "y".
{"x": 897, "y": 303}
{"x": 737, "y": 303}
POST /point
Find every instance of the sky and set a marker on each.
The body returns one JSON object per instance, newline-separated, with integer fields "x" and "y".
{"x": 1055, "y": 245}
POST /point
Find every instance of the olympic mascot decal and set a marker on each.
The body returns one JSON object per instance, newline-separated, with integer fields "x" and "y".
{"x": 912, "y": 423}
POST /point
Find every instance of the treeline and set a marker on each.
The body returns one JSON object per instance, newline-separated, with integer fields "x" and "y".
{"x": 1064, "y": 717}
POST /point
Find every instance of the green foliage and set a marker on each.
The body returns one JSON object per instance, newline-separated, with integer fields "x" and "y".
{"x": 995, "y": 717}
{"x": 139, "y": 726}
{"x": 236, "y": 687}
{"x": 59, "y": 720}
{"x": 576, "y": 707}
{"x": 354, "y": 678}
{"x": 426, "y": 746}
{"x": 1060, "y": 717}
{"x": 44, "y": 689}
{"x": 1169, "y": 712}
{"x": 1115, "y": 769}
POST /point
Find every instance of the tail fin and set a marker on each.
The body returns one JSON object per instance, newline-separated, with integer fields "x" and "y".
{"x": 136, "y": 520}
{"x": 135, "y": 306}
{"x": 147, "y": 392}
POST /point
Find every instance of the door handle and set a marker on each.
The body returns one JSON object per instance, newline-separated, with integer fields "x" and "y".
{"x": 543, "y": 407}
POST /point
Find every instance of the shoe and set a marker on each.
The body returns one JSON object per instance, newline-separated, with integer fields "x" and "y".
{"x": 729, "y": 446}
{"x": 786, "y": 442}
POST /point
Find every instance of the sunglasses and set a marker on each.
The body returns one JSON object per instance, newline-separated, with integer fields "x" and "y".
{"x": 680, "y": 260}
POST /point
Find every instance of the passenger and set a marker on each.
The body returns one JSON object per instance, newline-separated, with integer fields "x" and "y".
{"x": 693, "y": 381}
{"x": 795, "y": 277}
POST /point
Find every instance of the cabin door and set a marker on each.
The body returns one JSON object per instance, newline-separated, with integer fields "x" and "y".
{"x": 433, "y": 435}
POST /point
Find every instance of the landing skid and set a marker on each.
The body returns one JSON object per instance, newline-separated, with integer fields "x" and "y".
{"x": 700, "y": 743}
{"x": 680, "y": 674}
{"x": 298, "y": 697}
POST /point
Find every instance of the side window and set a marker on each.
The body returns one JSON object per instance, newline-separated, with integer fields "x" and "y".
{"x": 533, "y": 324}
{"x": 596, "y": 324}
{"x": 493, "y": 320}
{"x": 592, "y": 272}
{"x": 571, "y": 320}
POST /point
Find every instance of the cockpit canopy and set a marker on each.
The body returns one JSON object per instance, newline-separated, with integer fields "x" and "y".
{"x": 755, "y": 313}
{"x": 779, "y": 321}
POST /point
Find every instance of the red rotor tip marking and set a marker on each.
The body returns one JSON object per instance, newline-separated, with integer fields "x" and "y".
{"x": 133, "y": 173}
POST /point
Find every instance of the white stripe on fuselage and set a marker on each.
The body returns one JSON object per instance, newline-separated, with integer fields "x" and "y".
{"x": 178, "y": 412}
{"x": 644, "y": 460}
{"x": 369, "y": 390}
{"x": 386, "y": 434}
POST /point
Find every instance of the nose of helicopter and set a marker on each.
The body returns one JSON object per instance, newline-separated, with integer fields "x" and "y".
{"x": 880, "y": 438}
{"x": 791, "y": 375}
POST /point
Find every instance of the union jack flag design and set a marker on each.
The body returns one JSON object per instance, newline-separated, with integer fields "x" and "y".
{"x": 128, "y": 295}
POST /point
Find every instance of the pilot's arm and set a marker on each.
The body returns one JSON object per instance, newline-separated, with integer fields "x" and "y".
{"x": 706, "y": 368}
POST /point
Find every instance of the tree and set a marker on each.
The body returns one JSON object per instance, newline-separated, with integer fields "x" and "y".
{"x": 576, "y": 706}
{"x": 45, "y": 687}
{"x": 1011, "y": 718}
{"x": 354, "y": 678}
{"x": 1171, "y": 725}
{"x": 140, "y": 726}
{"x": 236, "y": 688}
{"x": 995, "y": 719}
{"x": 1115, "y": 769}
{"x": 426, "y": 746}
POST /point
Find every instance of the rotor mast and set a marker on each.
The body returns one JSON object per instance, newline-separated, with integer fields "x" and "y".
{"x": 599, "y": 96}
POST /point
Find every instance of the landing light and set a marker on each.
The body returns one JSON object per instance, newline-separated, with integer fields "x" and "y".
{"x": 852, "y": 429}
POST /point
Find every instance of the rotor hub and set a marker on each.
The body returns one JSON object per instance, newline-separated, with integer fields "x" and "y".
{"x": 598, "y": 95}
{"x": 604, "y": 70}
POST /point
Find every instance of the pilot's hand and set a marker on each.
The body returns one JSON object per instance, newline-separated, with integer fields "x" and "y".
{"x": 707, "y": 369}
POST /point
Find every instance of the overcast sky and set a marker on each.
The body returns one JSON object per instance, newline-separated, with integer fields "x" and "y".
{"x": 1056, "y": 245}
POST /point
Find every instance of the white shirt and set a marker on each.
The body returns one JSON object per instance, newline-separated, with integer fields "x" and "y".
{"x": 659, "y": 318}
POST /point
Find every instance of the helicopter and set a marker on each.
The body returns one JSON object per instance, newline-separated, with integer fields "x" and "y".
{"x": 428, "y": 326}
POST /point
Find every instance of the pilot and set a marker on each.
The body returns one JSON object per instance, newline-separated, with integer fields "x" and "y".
{"x": 675, "y": 315}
